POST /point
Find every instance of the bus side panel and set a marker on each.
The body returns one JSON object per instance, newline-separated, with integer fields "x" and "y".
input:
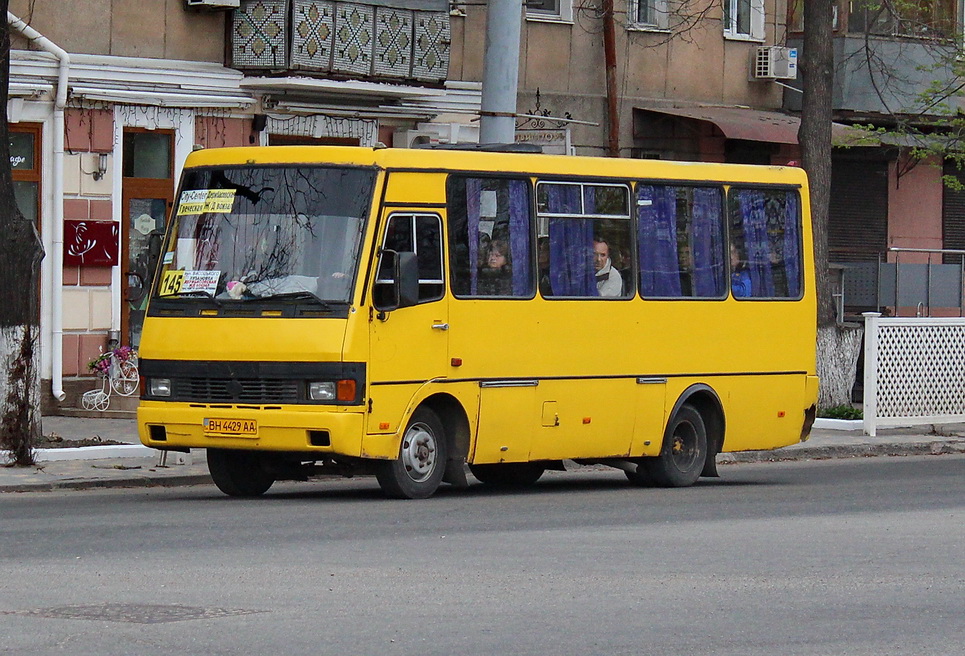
{"x": 651, "y": 418}
{"x": 594, "y": 418}
{"x": 763, "y": 412}
{"x": 506, "y": 424}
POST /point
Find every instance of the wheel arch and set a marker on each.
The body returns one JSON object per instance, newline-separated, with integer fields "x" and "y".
{"x": 455, "y": 421}
{"x": 706, "y": 401}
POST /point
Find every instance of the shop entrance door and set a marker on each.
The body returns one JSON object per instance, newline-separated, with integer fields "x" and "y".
{"x": 148, "y": 194}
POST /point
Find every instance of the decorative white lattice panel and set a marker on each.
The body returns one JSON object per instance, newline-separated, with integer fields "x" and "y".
{"x": 393, "y": 42}
{"x": 914, "y": 371}
{"x": 354, "y": 33}
{"x": 433, "y": 34}
{"x": 260, "y": 34}
{"x": 313, "y": 34}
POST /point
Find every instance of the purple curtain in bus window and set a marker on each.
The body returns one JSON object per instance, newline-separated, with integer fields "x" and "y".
{"x": 519, "y": 237}
{"x": 756, "y": 242}
{"x": 571, "y": 245}
{"x": 707, "y": 243}
{"x": 473, "y": 193}
{"x": 657, "y": 241}
{"x": 792, "y": 245}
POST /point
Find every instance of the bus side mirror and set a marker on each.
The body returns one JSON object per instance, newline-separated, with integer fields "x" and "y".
{"x": 402, "y": 290}
{"x": 407, "y": 279}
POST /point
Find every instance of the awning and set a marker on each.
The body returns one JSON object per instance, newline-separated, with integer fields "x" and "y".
{"x": 747, "y": 124}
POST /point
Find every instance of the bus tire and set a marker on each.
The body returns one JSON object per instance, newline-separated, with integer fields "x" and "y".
{"x": 508, "y": 474}
{"x": 418, "y": 471}
{"x": 238, "y": 473}
{"x": 683, "y": 452}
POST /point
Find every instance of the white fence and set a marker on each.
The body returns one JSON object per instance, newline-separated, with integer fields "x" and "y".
{"x": 914, "y": 371}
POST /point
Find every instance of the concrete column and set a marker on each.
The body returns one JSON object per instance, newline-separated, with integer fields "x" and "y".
{"x": 501, "y": 72}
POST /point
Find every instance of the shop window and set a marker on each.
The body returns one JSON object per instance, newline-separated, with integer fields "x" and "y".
{"x": 25, "y": 166}
{"x": 147, "y": 155}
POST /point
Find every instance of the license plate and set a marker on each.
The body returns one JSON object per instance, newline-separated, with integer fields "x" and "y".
{"x": 232, "y": 427}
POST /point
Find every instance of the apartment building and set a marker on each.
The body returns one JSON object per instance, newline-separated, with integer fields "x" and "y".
{"x": 108, "y": 97}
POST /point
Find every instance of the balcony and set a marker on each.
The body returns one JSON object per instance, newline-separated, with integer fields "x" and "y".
{"x": 388, "y": 41}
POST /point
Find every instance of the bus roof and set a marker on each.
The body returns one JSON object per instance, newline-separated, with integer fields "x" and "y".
{"x": 430, "y": 159}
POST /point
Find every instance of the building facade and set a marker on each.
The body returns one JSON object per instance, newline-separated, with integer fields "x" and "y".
{"x": 108, "y": 97}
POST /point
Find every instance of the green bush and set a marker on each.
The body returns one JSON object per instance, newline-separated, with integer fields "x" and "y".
{"x": 840, "y": 412}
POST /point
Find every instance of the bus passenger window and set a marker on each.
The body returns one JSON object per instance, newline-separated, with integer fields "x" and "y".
{"x": 420, "y": 234}
{"x": 680, "y": 232}
{"x": 765, "y": 228}
{"x": 585, "y": 242}
{"x": 490, "y": 237}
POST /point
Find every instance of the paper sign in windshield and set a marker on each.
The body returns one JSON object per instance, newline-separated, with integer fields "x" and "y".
{"x": 175, "y": 283}
{"x": 199, "y": 201}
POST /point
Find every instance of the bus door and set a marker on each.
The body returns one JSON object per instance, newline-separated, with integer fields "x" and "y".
{"x": 492, "y": 339}
{"x": 408, "y": 346}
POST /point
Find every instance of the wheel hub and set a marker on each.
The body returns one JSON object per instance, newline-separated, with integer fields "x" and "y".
{"x": 419, "y": 452}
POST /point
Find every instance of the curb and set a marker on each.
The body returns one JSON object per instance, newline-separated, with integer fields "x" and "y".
{"x": 89, "y": 453}
{"x": 184, "y": 480}
{"x": 933, "y": 448}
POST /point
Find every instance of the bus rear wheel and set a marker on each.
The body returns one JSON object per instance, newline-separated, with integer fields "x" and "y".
{"x": 238, "y": 473}
{"x": 683, "y": 453}
{"x": 417, "y": 472}
{"x": 508, "y": 474}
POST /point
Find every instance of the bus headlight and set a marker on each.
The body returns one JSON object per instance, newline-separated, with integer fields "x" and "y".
{"x": 159, "y": 387}
{"x": 321, "y": 391}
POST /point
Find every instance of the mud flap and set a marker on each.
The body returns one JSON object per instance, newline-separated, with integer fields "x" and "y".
{"x": 455, "y": 473}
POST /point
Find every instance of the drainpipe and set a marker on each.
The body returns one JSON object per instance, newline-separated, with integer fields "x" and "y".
{"x": 57, "y": 214}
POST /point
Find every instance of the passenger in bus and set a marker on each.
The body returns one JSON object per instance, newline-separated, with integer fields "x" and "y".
{"x": 609, "y": 282}
{"x": 496, "y": 277}
{"x": 740, "y": 277}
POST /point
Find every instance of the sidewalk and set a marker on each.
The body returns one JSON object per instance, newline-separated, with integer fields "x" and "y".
{"x": 134, "y": 465}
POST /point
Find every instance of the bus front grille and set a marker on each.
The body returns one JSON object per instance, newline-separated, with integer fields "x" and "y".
{"x": 235, "y": 390}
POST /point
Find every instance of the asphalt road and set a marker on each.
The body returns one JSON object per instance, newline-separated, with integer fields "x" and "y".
{"x": 863, "y": 556}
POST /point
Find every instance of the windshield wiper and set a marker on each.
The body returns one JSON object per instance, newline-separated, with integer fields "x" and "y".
{"x": 291, "y": 296}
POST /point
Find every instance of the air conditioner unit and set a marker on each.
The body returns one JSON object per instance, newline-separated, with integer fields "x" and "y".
{"x": 216, "y": 5}
{"x": 774, "y": 63}
{"x": 414, "y": 138}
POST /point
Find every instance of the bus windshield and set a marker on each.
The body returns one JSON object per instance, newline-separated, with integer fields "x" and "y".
{"x": 249, "y": 233}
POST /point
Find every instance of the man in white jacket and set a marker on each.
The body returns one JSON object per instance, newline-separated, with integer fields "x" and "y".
{"x": 608, "y": 280}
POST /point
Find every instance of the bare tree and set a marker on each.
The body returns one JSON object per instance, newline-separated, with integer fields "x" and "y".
{"x": 20, "y": 254}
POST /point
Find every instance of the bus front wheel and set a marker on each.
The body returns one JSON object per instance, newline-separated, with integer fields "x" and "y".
{"x": 417, "y": 472}
{"x": 508, "y": 474}
{"x": 238, "y": 473}
{"x": 683, "y": 453}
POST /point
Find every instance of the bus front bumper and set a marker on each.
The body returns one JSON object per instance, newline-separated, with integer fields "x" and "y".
{"x": 319, "y": 430}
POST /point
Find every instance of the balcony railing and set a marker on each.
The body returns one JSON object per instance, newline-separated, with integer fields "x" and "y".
{"x": 389, "y": 40}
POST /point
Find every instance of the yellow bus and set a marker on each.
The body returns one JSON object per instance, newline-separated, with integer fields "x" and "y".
{"x": 416, "y": 313}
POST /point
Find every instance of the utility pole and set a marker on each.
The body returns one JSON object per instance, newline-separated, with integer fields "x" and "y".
{"x": 500, "y": 72}
{"x": 610, "y": 60}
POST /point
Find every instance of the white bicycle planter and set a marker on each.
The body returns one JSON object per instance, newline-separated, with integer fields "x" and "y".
{"x": 122, "y": 377}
